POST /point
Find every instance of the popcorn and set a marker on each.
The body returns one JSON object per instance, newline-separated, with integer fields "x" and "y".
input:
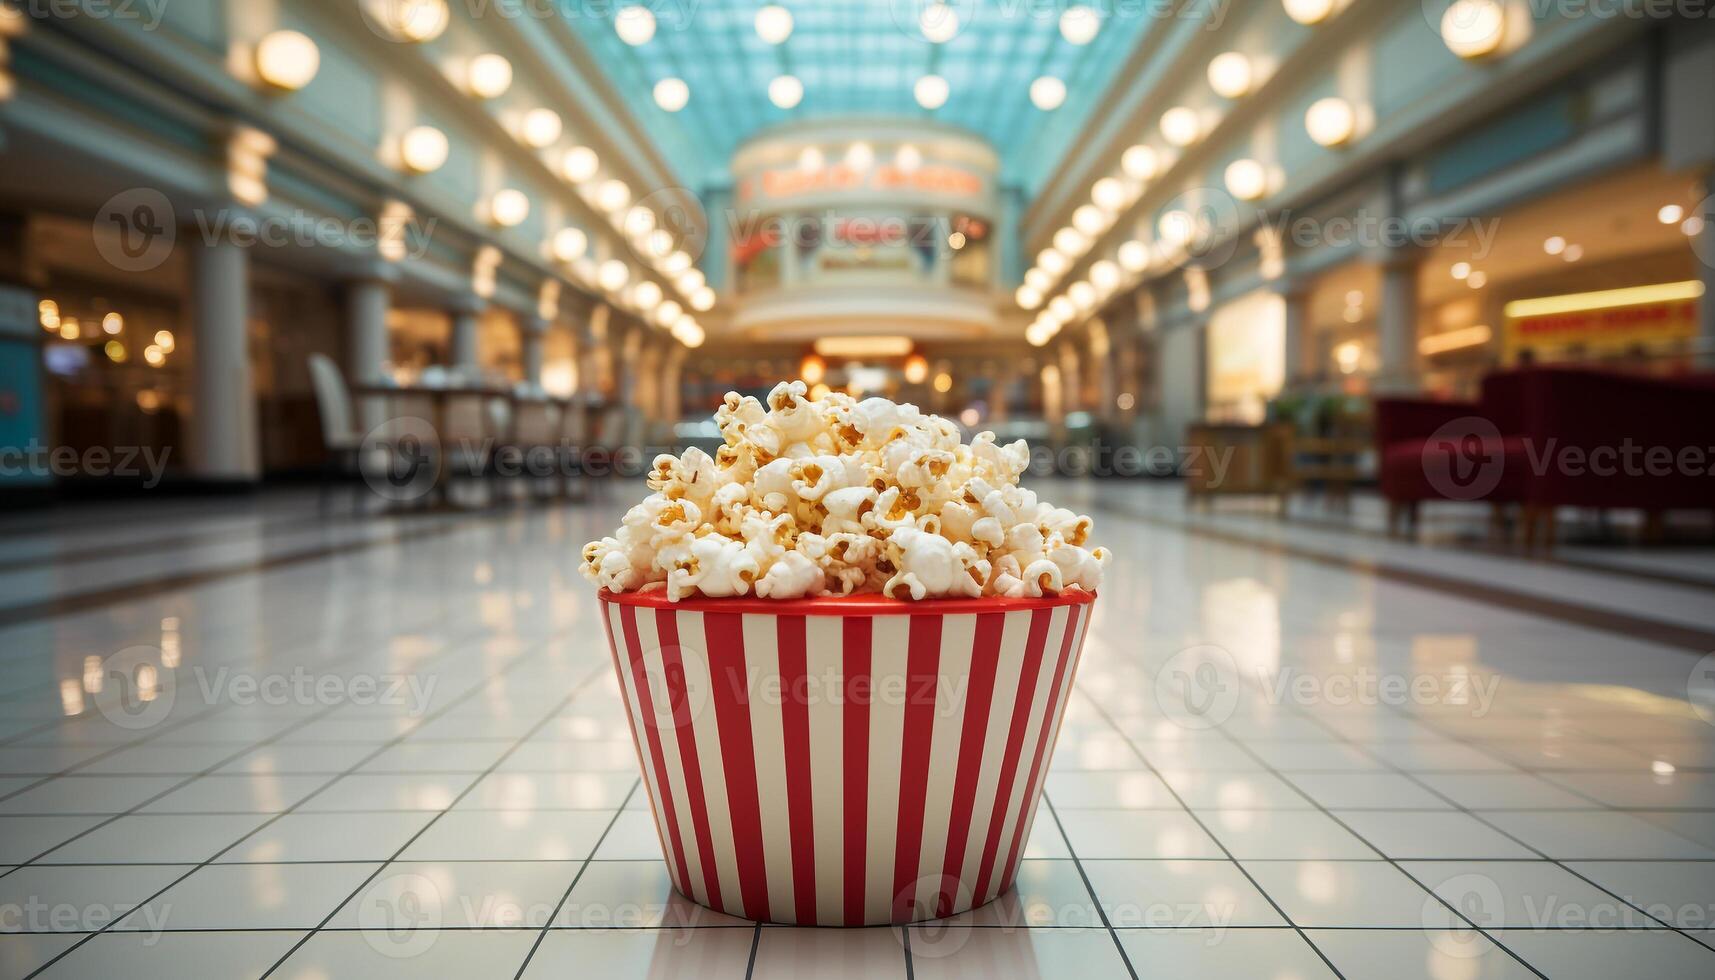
{"x": 836, "y": 496}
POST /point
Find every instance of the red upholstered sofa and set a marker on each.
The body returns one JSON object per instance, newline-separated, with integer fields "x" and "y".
{"x": 1553, "y": 437}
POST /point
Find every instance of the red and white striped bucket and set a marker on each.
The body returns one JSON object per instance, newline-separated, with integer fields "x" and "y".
{"x": 844, "y": 762}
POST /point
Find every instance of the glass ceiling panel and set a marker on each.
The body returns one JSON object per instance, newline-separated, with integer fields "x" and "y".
{"x": 861, "y": 57}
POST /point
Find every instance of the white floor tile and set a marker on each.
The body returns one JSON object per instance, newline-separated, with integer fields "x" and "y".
{"x": 1041, "y": 954}
{"x": 1402, "y": 834}
{"x": 174, "y": 956}
{"x": 828, "y": 954}
{"x": 251, "y": 896}
{"x": 633, "y": 895}
{"x": 88, "y": 794}
{"x": 1371, "y": 894}
{"x": 1571, "y": 835}
{"x": 1584, "y": 955}
{"x": 157, "y": 839}
{"x": 1127, "y": 790}
{"x": 1416, "y": 954}
{"x": 381, "y": 791}
{"x": 713, "y": 952}
{"x": 1045, "y": 893}
{"x": 1285, "y": 834}
{"x": 461, "y": 895}
{"x": 329, "y": 837}
{"x": 1178, "y": 895}
{"x": 1680, "y": 893}
{"x": 80, "y": 899}
{"x": 22, "y": 838}
{"x": 379, "y": 954}
{"x": 1223, "y": 954}
{"x": 510, "y": 835}
{"x": 551, "y": 791}
{"x": 633, "y": 837}
{"x": 1136, "y": 834}
{"x": 1503, "y": 791}
{"x": 1367, "y": 791}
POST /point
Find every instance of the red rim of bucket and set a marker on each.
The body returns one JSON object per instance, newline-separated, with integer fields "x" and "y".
{"x": 871, "y": 604}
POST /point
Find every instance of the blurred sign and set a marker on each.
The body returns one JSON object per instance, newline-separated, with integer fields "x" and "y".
{"x": 786, "y": 183}
{"x": 1614, "y": 318}
{"x": 18, "y": 316}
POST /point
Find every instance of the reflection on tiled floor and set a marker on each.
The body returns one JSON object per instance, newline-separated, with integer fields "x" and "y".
{"x": 393, "y": 748}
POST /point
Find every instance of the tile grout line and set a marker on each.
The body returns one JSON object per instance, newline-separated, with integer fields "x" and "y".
{"x": 538, "y": 726}
{"x": 566, "y": 896}
{"x": 274, "y": 818}
{"x": 1089, "y": 889}
{"x": 1130, "y": 744}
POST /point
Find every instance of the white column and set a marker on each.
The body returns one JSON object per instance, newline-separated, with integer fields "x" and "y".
{"x": 223, "y": 437}
{"x": 366, "y": 304}
{"x": 1397, "y": 324}
{"x": 531, "y": 333}
{"x": 1296, "y": 340}
{"x": 465, "y": 350}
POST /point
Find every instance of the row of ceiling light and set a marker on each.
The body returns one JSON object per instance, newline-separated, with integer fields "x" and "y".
{"x": 289, "y": 60}
{"x": 938, "y": 22}
{"x": 1470, "y": 28}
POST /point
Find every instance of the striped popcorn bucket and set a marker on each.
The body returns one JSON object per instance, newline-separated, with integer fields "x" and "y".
{"x": 844, "y": 761}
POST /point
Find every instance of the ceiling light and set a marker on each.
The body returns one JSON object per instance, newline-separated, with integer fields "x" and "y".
{"x": 1573, "y": 253}
{"x": 1477, "y": 279}
{"x": 671, "y": 94}
{"x": 668, "y": 313}
{"x": 541, "y": 127}
{"x": 113, "y": 323}
{"x": 570, "y": 244}
{"x": 1089, "y": 220}
{"x": 659, "y": 243}
{"x": 1139, "y": 163}
{"x": 774, "y": 23}
{"x": 908, "y": 158}
{"x": 690, "y": 281}
{"x": 1554, "y": 245}
{"x": 288, "y": 60}
{"x": 1449, "y": 340}
{"x": 1134, "y": 256}
{"x": 423, "y": 149}
{"x": 1670, "y": 214}
{"x": 675, "y": 263}
{"x": 1069, "y": 241}
{"x": 509, "y": 207}
{"x": 410, "y": 20}
{"x": 1230, "y": 75}
{"x": 1330, "y": 121}
{"x": 703, "y": 300}
{"x": 916, "y": 369}
{"x": 1062, "y": 309}
{"x": 1080, "y": 24}
{"x": 581, "y": 164}
{"x": 810, "y": 159}
{"x": 646, "y": 295}
{"x": 635, "y": 25}
{"x": 638, "y": 222}
{"x": 1176, "y": 228}
{"x": 1354, "y": 297}
{"x": 1038, "y": 279}
{"x": 1028, "y": 297}
{"x": 1474, "y": 28}
{"x": 1082, "y": 295}
{"x": 613, "y": 275}
{"x": 860, "y": 156}
{"x": 1461, "y": 270}
{"x": 1109, "y": 194}
{"x": 1247, "y": 180}
{"x": 1105, "y": 276}
{"x": 1308, "y": 11}
{"x": 939, "y": 22}
{"x": 613, "y": 195}
{"x": 490, "y": 76}
{"x": 1053, "y": 261}
{"x": 931, "y": 91}
{"x": 1180, "y": 126}
{"x": 786, "y": 91}
{"x": 1047, "y": 93}
{"x": 1693, "y": 226}
{"x": 864, "y": 346}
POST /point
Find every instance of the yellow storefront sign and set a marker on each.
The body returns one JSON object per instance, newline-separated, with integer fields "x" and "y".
{"x": 1613, "y": 319}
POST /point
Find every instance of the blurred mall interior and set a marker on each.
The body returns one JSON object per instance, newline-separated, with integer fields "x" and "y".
{"x": 1376, "y": 336}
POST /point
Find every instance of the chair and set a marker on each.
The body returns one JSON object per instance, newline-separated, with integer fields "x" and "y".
{"x": 1472, "y": 451}
{"x": 340, "y": 435}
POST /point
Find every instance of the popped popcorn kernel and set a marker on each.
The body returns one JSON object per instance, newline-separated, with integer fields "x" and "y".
{"x": 834, "y": 496}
